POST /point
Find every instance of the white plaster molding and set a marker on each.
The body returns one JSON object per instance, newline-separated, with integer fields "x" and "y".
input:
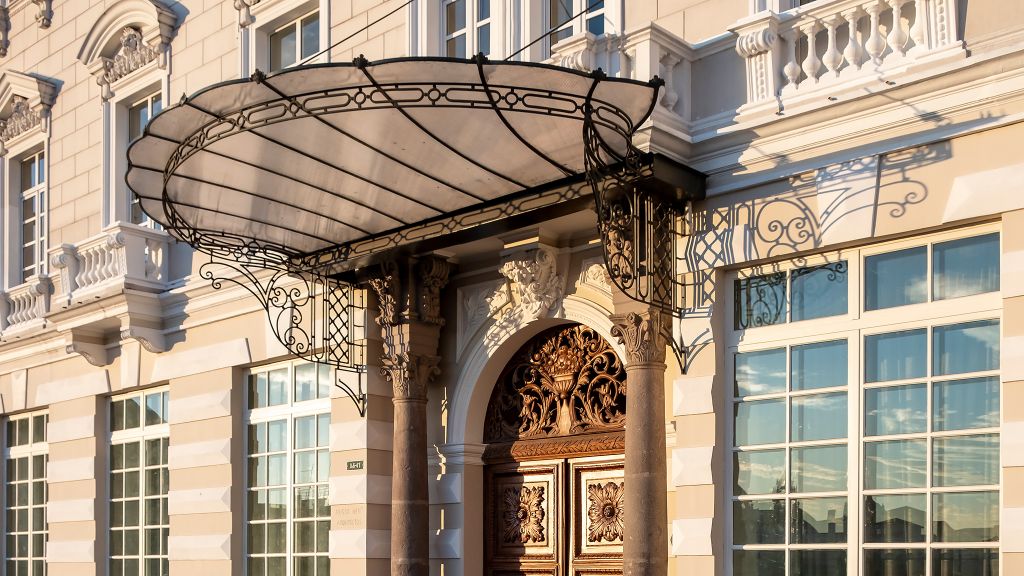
{"x": 478, "y": 304}
{"x": 199, "y": 454}
{"x": 692, "y": 466}
{"x": 1011, "y": 444}
{"x": 202, "y": 359}
{"x": 81, "y": 510}
{"x": 535, "y": 279}
{"x": 594, "y": 273}
{"x": 1011, "y": 273}
{"x": 446, "y": 488}
{"x": 1011, "y": 358}
{"x": 692, "y": 395}
{"x": 29, "y": 99}
{"x": 446, "y": 543}
{"x": 692, "y": 537}
{"x": 463, "y": 454}
{"x": 90, "y": 383}
{"x": 199, "y": 501}
{"x": 70, "y": 469}
{"x": 19, "y": 391}
{"x": 361, "y": 434}
{"x": 70, "y": 551}
{"x": 359, "y": 489}
{"x": 199, "y": 547}
{"x": 65, "y": 429}
{"x": 131, "y": 355}
{"x": 359, "y": 543}
{"x": 213, "y": 404}
{"x": 1011, "y": 530}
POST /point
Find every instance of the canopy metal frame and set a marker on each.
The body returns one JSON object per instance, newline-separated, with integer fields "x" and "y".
{"x": 310, "y": 300}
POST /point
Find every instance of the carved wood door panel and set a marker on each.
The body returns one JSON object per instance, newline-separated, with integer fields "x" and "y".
{"x": 555, "y": 517}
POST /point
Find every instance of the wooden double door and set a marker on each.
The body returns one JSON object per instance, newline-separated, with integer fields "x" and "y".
{"x": 554, "y": 517}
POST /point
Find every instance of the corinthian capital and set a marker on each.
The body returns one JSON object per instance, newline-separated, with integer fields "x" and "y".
{"x": 644, "y": 334}
{"x": 411, "y": 374}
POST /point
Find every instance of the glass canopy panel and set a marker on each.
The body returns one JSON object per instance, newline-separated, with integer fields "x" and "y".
{"x": 314, "y": 158}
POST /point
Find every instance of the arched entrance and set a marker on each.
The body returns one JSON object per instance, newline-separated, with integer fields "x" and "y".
{"x": 553, "y": 479}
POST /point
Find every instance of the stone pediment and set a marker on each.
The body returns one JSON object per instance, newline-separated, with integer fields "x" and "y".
{"x": 25, "y": 103}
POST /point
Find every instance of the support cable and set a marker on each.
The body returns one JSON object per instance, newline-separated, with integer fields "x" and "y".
{"x": 556, "y": 28}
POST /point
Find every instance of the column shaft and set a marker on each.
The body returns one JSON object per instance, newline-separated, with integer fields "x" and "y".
{"x": 410, "y": 527}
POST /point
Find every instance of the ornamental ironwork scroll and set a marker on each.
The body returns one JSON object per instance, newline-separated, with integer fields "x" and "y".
{"x": 314, "y": 317}
{"x": 565, "y": 381}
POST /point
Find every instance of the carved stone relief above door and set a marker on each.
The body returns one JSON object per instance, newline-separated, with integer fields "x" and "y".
{"x": 554, "y": 482}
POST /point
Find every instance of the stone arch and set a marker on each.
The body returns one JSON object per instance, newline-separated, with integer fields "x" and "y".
{"x": 487, "y": 357}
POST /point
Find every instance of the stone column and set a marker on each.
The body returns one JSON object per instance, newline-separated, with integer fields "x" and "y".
{"x": 642, "y": 330}
{"x": 410, "y": 322}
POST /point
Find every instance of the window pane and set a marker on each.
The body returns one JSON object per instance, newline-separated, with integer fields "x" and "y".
{"x": 282, "y": 48}
{"x": 758, "y": 563}
{"x": 964, "y": 404}
{"x": 965, "y": 460}
{"x": 899, "y": 518}
{"x": 132, "y": 412}
{"x": 455, "y": 16}
{"x": 760, "y": 301}
{"x": 310, "y": 35}
{"x": 967, "y": 517}
{"x": 819, "y": 365}
{"x": 483, "y": 10}
{"x": 305, "y": 382}
{"x": 28, "y": 174}
{"x": 969, "y": 347}
{"x": 819, "y": 292}
{"x": 762, "y": 472}
{"x": 761, "y": 372}
{"x": 595, "y": 25}
{"x": 965, "y": 267}
{"x": 456, "y": 47}
{"x": 28, "y": 210}
{"x": 277, "y": 434}
{"x": 896, "y": 356}
{"x": 277, "y": 388}
{"x": 323, "y": 430}
{"x": 759, "y": 522}
{"x": 818, "y": 521}
{"x": 305, "y": 432}
{"x": 305, "y": 467}
{"x": 819, "y": 417}
{"x": 762, "y": 422}
{"x": 970, "y": 562}
{"x": 896, "y": 278}
{"x": 900, "y": 562}
{"x": 895, "y": 410}
{"x": 818, "y": 469}
{"x": 138, "y": 117}
{"x": 895, "y": 464}
{"x": 817, "y": 562}
{"x": 483, "y": 39}
{"x": 154, "y": 409}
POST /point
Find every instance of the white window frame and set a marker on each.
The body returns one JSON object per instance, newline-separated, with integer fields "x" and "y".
{"x": 577, "y": 25}
{"x": 270, "y": 16}
{"x": 122, "y": 129}
{"x": 855, "y": 325}
{"x": 141, "y": 434}
{"x": 40, "y": 220}
{"x": 28, "y": 451}
{"x": 472, "y": 28}
{"x": 288, "y": 412}
{"x": 16, "y": 154}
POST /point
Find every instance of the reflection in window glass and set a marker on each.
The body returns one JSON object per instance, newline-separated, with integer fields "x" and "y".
{"x": 816, "y": 562}
{"x": 819, "y": 292}
{"x": 961, "y": 348}
{"x": 965, "y": 562}
{"x": 965, "y": 460}
{"x": 818, "y": 469}
{"x": 761, "y": 422}
{"x": 896, "y": 278}
{"x": 965, "y": 404}
{"x": 896, "y": 356}
{"x": 965, "y": 517}
{"x": 759, "y": 522}
{"x": 761, "y": 372}
{"x": 283, "y": 48}
{"x": 759, "y": 563}
{"x": 896, "y": 410}
{"x": 310, "y": 35}
{"x": 818, "y": 521}
{"x": 896, "y": 518}
{"x": 760, "y": 301}
{"x": 761, "y": 472}
{"x": 965, "y": 267}
{"x": 895, "y": 464}
{"x": 819, "y": 417}
{"x": 25, "y": 486}
{"x": 895, "y": 562}
{"x": 819, "y": 365}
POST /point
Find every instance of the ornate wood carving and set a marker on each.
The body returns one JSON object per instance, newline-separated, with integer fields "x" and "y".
{"x": 567, "y": 447}
{"x": 605, "y": 511}
{"x": 565, "y": 381}
{"x": 524, "y": 514}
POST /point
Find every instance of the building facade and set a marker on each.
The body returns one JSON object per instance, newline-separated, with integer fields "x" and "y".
{"x": 838, "y": 394}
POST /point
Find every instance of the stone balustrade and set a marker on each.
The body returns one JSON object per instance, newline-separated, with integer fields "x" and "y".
{"x": 122, "y": 255}
{"x": 828, "y": 51}
{"x": 24, "y": 307}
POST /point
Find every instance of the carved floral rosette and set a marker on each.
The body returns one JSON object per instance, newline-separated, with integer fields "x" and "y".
{"x": 523, "y": 514}
{"x": 565, "y": 381}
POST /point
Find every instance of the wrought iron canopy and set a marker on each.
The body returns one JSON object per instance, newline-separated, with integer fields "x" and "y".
{"x": 316, "y": 166}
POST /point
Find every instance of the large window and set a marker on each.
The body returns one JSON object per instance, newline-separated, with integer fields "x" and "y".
{"x": 139, "y": 115}
{"x": 288, "y": 469}
{"x": 138, "y": 484}
{"x": 869, "y": 445}
{"x": 295, "y": 41}
{"x": 25, "y": 525}
{"x": 467, "y": 27}
{"x": 33, "y": 215}
{"x": 591, "y": 20}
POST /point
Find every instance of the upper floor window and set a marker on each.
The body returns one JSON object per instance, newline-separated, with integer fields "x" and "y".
{"x": 467, "y": 27}
{"x": 794, "y": 295}
{"x": 591, "y": 20}
{"x": 139, "y": 115}
{"x": 295, "y": 41}
{"x": 25, "y": 525}
{"x": 33, "y": 215}
{"x": 139, "y": 522}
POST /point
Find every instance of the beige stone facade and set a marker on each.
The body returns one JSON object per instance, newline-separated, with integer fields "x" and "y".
{"x": 907, "y": 137}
